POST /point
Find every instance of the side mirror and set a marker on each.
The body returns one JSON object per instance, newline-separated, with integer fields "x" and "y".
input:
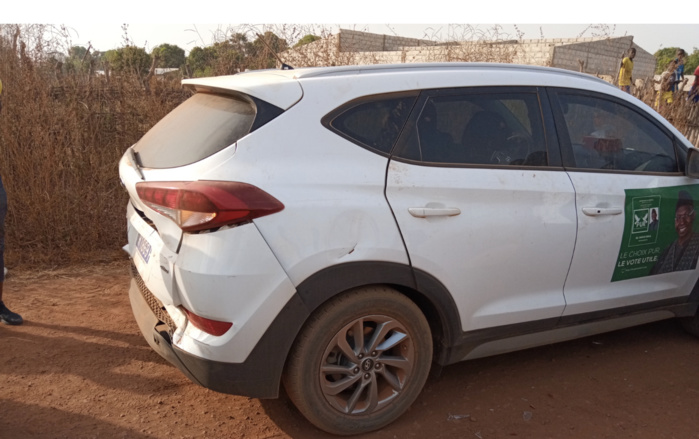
{"x": 692, "y": 168}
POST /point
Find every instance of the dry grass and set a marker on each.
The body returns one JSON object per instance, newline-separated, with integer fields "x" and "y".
{"x": 62, "y": 132}
{"x": 26, "y": 275}
{"x": 62, "y": 136}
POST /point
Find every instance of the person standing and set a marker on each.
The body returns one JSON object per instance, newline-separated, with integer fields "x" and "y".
{"x": 679, "y": 71}
{"x": 694, "y": 91}
{"x": 626, "y": 71}
{"x": 667, "y": 83}
{"x": 6, "y": 316}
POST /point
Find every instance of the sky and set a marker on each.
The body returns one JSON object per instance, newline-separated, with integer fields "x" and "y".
{"x": 187, "y": 25}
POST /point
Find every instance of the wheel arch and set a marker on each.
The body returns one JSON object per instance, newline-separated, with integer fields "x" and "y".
{"x": 430, "y": 295}
{"x": 427, "y": 292}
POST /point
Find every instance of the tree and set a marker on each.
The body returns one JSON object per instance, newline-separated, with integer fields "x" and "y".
{"x": 129, "y": 59}
{"x": 691, "y": 62}
{"x": 200, "y": 61}
{"x": 222, "y": 58}
{"x": 169, "y": 55}
{"x": 80, "y": 59}
{"x": 77, "y": 52}
{"x": 265, "y": 49}
{"x": 236, "y": 54}
{"x": 307, "y": 40}
{"x": 663, "y": 58}
{"x": 240, "y": 43}
{"x": 231, "y": 54}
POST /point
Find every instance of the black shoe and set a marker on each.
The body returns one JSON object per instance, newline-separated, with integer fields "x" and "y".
{"x": 8, "y": 317}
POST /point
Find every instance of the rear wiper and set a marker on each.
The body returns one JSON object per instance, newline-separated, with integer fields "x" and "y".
{"x": 133, "y": 155}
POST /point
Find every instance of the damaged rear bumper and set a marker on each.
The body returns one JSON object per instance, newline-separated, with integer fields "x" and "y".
{"x": 258, "y": 376}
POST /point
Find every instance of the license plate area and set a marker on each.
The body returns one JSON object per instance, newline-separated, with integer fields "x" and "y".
{"x": 144, "y": 248}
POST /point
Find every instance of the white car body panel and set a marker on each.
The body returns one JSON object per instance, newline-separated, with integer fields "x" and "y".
{"x": 246, "y": 288}
{"x": 333, "y": 214}
{"x": 505, "y": 257}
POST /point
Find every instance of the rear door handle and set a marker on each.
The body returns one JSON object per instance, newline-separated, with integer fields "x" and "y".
{"x": 424, "y": 212}
{"x": 599, "y": 211}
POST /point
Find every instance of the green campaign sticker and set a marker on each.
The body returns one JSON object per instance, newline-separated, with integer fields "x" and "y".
{"x": 659, "y": 232}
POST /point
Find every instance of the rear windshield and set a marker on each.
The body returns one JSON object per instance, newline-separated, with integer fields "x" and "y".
{"x": 201, "y": 126}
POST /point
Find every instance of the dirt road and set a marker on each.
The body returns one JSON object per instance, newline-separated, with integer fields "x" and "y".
{"x": 79, "y": 368}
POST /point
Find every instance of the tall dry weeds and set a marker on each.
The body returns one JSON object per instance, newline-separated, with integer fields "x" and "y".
{"x": 63, "y": 130}
{"x": 61, "y": 137}
{"x": 682, "y": 113}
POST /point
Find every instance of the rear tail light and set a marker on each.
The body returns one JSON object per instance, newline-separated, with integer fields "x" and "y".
{"x": 213, "y": 327}
{"x": 204, "y": 205}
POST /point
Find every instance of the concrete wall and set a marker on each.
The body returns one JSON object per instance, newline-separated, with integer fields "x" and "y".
{"x": 356, "y": 41}
{"x": 602, "y": 57}
{"x": 596, "y": 56}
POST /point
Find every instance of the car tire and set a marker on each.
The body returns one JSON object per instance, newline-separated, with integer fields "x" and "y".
{"x": 691, "y": 324}
{"x": 345, "y": 384}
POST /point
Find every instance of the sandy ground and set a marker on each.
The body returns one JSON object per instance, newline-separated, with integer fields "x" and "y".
{"x": 79, "y": 368}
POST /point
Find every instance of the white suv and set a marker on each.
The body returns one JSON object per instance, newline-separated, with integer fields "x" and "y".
{"x": 339, "y": 230}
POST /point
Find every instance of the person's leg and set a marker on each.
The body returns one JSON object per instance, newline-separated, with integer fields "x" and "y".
{"x": 6, "y": 316}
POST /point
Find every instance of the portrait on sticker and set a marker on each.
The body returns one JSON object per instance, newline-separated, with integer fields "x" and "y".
{"x": 660, "y": 234}
{"x": 683, "y": 252}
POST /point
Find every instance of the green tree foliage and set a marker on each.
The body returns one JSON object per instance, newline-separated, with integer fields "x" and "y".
{"x": 231, "y": 54}
{"x": 265, "y": 50}
{"x": 129, "y": 59}
{"x": 80, "y": 59}
{"x": 236, "y": 54}
{"x": 664, "y": 56}
{"x": 240, "y": 43}
{"x": 691, "y": 62}
{"x": 219, "y": 59}
{"x": 77, "y": 52}
{"x": 307, "y": 40}
{"x": 199, "y": 61}
{"x": 169, "y": 55}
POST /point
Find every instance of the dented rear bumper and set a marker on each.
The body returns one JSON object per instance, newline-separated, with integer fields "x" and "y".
{"x": 257, "y": 377}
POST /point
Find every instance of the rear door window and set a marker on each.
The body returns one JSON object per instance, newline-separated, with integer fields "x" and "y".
{"x": 201, "y": 126}
{"x": 478, "y": 127}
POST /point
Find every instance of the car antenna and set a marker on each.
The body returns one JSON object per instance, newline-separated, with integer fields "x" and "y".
{"x": 285, "y": 66}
